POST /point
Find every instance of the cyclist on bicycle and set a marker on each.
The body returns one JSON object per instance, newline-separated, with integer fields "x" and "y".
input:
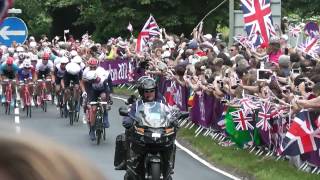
{"x": 73, "y": 73}
{"x": 25, "y": 73}
{"x": 59, "y": 72}
{"x": 45, "y": 69}
{"x": 99, "y": 85}
{"x": 8, "y": 70}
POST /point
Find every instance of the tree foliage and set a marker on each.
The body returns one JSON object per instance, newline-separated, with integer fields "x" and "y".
{"x": 111, "y": 17}
{"x": 106, "y": 18}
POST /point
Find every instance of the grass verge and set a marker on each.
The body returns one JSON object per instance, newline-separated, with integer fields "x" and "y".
{"x": 241, "y": 162}
{"x": 123, "y": 91}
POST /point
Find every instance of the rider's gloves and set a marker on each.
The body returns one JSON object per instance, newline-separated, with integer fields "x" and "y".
{"x": 84, "y": 94}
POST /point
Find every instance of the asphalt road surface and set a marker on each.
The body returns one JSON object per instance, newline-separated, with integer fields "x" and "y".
{"x": 76, "y": 138}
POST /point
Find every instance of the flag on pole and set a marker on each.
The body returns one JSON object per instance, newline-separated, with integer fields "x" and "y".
{"x": 129, "y": 27}
{"x": 4, "y": 6}
{"x": 301, "y": 137}
{"x": 238, "y": 137}
{"x": 149, "y": 30}
{"x": 310, "y": 46}
{"x": 258, "y": 18}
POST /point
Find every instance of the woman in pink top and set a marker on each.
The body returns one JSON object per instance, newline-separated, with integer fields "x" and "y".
{"x": 274, "y": 51}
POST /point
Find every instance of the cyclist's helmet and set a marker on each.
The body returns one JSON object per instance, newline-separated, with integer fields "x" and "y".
{"x": 73, "y": 68}
{"x": 46, "y": 56}
{"x": 27, "y": 63}
{"x": 93, "y": 62}
{"x": 9, "y": 60}
{"x": 64, "y": 60}
{"x": 76, "y": 59}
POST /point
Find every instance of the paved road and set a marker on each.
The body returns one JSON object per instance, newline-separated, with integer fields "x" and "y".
{"x": 76, "y": 138}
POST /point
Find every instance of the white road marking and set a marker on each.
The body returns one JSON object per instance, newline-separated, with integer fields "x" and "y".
{"x": 196, "y": 157}
{"x": 202, "y": 161}
{"x": 119, "y": 98}
{"x": 18, "y": 129}
{"x": 84, "y": 121}
{"x": 16, "y": 116}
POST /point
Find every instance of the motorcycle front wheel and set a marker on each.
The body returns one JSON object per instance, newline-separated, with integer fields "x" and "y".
{"x": 155, "y": 171}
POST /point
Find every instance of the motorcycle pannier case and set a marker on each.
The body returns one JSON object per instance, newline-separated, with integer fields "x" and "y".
{"x": 120, "y": 151}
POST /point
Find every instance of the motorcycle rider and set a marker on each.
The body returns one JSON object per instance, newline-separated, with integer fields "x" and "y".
{"x": 148, "y": 91}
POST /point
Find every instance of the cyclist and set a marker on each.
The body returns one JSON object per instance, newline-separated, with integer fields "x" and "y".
{"x": 44, "y": 69}
{"x": 8, "y": 70}
{"x": 59, "y": 72}
{"x": 99, "y": 85}
{"x": 73, "y": 73}
{"x": 25, "y": 73}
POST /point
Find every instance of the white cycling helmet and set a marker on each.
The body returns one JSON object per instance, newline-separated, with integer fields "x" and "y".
{"x": 91, "y": 75}
{"x": 33, "y": 44}
{"x": 76, "y": 59}
{"x": 27, "y": 63}
{"x": 74, "y": 53}
{"x": 34, "y": 57}
{"x": 20, "y": 49}
{"x": 73, "y": 68}
{"x": 10, "y": 50}
{"x": 64, "y": 60}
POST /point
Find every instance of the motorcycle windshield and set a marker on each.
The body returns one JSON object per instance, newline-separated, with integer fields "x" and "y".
{"x": 153, "y": 114}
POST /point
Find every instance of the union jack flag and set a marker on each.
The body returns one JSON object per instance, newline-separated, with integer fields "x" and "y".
{"x": 243, "y": 120}
{"x": 248, "y": 105}
{"x": 266, "y": 113}
{"x": 310, "y": 46}
{"x": 258, "y": 19}
{"x": 149, "y": 30}
{"x": 294, "y": 31}
{"x": 301, "y": 137}
{"x": 244, "y": 41}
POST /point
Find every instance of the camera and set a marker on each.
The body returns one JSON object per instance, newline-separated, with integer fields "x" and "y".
{"x": 263, "y": 74}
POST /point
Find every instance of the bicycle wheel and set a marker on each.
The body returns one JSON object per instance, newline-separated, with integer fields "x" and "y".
{"x": 8, "y": 108}
{"x": 44, "y": 105}
{"x": 104, "y": 133}
{"x": 98, "y": 134}
{"x": 71, "y": 116}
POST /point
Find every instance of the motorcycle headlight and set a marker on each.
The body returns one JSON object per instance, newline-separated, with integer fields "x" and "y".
{"x": 139, "y": 130}
{"x": 169, "y": 131}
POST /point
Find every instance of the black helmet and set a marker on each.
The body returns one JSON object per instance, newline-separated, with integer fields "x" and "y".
{"x": 146, "y": 83}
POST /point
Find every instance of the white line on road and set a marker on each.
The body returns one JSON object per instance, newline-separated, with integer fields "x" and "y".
{"x": 202, "y": 161}
{"x": 84, "y": 121}
{"x": 119, "y": 98}
{"x": 18, "y": 129}
{"x": 16, "y": 116}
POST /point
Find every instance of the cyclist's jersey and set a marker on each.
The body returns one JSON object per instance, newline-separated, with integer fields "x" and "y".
{"x": 24, "y": 74}
{"x": 58, "y": 72}
{"x": 44, "y": 67}
{"x": 9, "y": 74}
{"x": 102, "y": 85}
{"x": 69, "y": 77}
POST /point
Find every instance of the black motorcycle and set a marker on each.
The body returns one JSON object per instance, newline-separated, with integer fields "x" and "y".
{"x": 151, "y": 141}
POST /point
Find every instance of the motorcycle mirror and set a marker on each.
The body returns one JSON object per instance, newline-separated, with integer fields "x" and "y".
{"x": 123, "y": 111}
